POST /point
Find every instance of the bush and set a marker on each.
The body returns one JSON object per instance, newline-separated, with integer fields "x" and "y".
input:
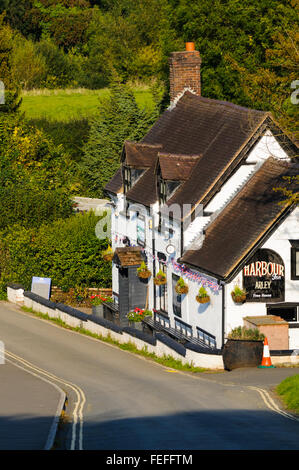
{"x": 32, "y": 206}
{"x": 67, "y": 251}
{"x": 241, "y": 332}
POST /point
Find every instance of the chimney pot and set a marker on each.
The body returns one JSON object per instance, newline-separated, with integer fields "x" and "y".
{"x": 185, "y": 71}
{"x": 190, "y": 46}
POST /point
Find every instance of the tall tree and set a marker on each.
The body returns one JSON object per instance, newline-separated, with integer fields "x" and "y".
{"x": 12, "y": 100}
{"x": 119, "y": 118}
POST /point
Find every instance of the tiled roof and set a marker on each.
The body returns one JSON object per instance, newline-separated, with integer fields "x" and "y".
{"x": 266, "y": 320}
{"x": 140, "y": 155}
{"x": 128, "y": 256}
{"x": 144, "y": 191}
{"x": 115, "y": 184}
{"x": 244, "y": 221}
{"x": 216, "y": 130}
{"x": 177, "y": 167}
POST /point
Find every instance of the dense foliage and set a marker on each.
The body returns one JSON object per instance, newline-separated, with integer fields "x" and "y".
{"x": 66, "y": 250}
{"x": 119, "y": 119}
{"x": 249, "y": 53}
{"x": 249, "y": 48}
{"x": 34, "y": 175}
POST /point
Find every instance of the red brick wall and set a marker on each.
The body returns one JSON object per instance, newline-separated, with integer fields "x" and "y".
{"x": 184, "y": 72}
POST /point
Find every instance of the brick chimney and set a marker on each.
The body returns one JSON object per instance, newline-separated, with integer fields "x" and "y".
{"x": 184, "y": 71}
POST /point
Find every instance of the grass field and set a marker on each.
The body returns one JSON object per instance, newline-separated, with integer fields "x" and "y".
{"x": 69, "y": 105}
{"x": 289, "y": 392}
{"x": 64, "y": 114}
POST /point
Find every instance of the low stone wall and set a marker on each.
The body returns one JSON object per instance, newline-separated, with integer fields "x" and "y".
{"x": 160, "y": 344}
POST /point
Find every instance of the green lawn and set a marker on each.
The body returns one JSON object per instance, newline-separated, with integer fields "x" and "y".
{"x": 68, "y": 105}
{"x": 64, "y": 114}
{"x": 289, "y": 392}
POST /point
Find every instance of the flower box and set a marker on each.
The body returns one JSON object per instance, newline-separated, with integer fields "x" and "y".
{"x": 137, "y": 325}
{"x": 242, "y": 353}
{"x": 138, "y": 314}
{"x": 98, "y": 310}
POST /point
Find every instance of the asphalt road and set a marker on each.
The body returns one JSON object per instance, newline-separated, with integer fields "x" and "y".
{"x": 28, "y": 408}
{"x": 120, "y": 401}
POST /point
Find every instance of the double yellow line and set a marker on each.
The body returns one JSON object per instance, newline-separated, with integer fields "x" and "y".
{"x": 77, "y": 415}
{"x": 271, "y": 404}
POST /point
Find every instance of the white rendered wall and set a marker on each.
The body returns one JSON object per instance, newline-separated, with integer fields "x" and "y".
{"x": 278, "y": 242}
{"x": 267, "y": 147}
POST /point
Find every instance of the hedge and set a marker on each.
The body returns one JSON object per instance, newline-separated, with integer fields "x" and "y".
{"x": 66, "y": 250}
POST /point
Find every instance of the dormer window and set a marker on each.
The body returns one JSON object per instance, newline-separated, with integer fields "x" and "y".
{"x": 130, "y": 175}
{"x": 166, "y": 188}
{"x": 127, "y": 179}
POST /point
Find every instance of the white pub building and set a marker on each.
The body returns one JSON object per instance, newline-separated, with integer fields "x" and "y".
{"x": 196, "y": 200}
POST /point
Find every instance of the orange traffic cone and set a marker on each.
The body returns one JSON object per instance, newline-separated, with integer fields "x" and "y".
{"x": 266, "y": 361}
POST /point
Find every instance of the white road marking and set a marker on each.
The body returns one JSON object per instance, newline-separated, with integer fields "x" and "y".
{"x": 79, "y": 405}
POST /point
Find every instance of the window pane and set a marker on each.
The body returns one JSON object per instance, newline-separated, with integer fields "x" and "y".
{"x": 288, "y": 314}
{"x": 297, "y": 263}
{"x": 176, "y": 298}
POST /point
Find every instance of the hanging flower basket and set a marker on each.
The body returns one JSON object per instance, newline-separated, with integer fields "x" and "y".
{"x": 160, "y": 279}
{"x": 202, "y": 296}
{"x": 238, "y": 295}
{"x": 143, "y": 272}
{"x": 181, "y": 288}
{"x": 108, "y": 254}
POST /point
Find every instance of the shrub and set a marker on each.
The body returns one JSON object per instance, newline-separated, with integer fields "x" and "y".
{"x": 67, "y": 251}
{"x": 32, "y": 206}
{"x": 241, "y": 332}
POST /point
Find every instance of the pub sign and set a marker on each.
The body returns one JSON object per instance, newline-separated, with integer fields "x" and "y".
{"x": 264, "y": 277}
